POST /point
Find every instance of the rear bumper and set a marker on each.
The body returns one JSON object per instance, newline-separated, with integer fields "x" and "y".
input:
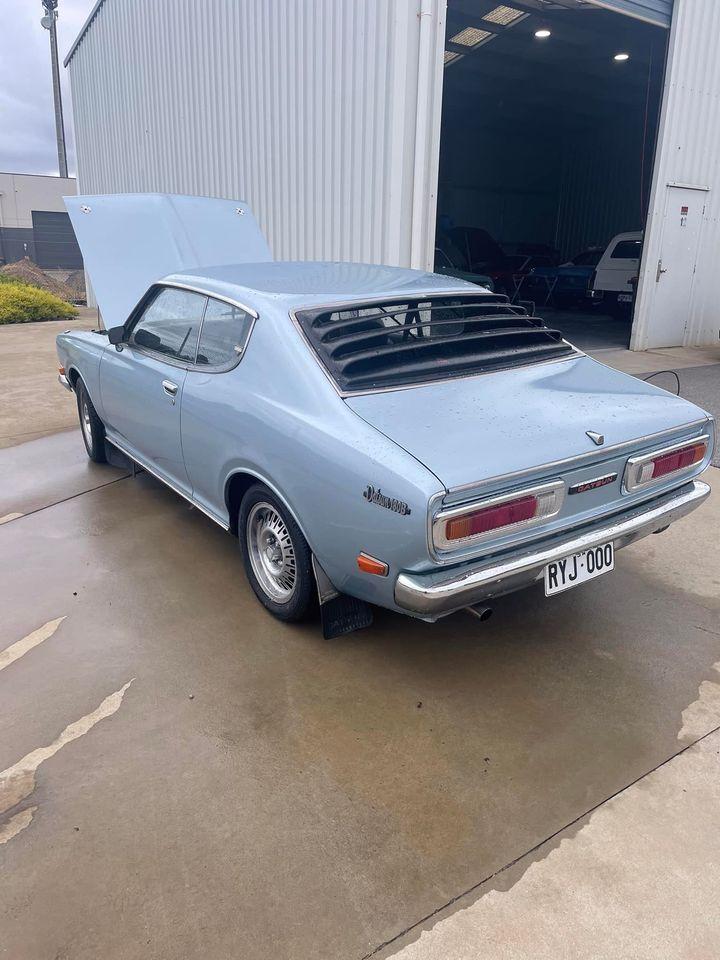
{"x": 434, "y": 595}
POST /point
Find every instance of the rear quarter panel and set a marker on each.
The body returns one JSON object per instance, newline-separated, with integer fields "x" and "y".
{"x": 277, "y": 417}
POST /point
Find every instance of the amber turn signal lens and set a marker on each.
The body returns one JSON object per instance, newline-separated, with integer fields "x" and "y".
{"x": 61, "y": 371}
{"x": 367, "y": 564}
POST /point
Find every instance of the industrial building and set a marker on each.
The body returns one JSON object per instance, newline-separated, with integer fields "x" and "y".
{"x": 34, "y": 222}
{"x": 466, "y": 135}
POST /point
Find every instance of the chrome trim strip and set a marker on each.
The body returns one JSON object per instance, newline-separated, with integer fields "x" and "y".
{"x": 64, "y": 382}
{"x": 430, "y": 597}
{"x": 442, "y": 545}
{"x": 205, "y": 293}
{"x": 168, "y": 483}
{"x": 646, "y": 457}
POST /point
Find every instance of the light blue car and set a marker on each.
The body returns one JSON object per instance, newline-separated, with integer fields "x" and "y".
{"x": 372, "y": 435}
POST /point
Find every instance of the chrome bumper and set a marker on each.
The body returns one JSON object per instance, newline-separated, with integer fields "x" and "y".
{"x": 64, "y": 382}
{"x": 433, "y": 595}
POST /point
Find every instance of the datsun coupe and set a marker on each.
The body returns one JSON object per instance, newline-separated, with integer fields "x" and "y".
{"x": 371, "y": 435}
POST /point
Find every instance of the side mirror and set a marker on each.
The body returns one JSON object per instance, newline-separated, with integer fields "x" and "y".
{"x": 116, "y": 334}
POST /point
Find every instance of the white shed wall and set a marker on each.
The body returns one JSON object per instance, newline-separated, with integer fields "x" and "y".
{"x": 688, "y": 153}
{"x": 311, "y": 112}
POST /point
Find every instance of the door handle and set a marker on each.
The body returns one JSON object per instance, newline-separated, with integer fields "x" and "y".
{"x": 660, "y": 271}
{"x": 170, "y": 388}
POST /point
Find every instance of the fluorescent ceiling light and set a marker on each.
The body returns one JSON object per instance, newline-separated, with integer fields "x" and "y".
{"x": 542, "y": 34}
{"x": 503, "y": 15}
{"x": 470, "y": 37}
{"x": 451, "y": 57}
{"x": 621, "y": 57}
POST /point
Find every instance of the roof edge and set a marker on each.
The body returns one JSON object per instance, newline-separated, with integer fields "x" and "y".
{"x": 83, "y": 30}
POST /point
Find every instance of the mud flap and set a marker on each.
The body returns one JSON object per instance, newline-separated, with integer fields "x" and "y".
{"x": 339, "y": 614}
{"x": 118, "y": 459}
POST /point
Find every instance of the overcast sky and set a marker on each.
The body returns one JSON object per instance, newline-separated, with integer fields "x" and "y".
{"x": 27, "y": 123}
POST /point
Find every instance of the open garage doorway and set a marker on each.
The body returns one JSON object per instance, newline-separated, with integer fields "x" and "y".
{"x": 549, "y": 122}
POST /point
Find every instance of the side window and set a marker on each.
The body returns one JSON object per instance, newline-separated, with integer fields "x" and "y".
{"x": 224, "y": 334}
{"x": 170, "y": 324}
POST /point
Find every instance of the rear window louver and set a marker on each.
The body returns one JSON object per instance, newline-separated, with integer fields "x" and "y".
{"x": 396, "y": 343}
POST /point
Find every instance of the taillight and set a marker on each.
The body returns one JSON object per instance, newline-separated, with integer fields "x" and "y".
{"x": 651, "y": 467}
{"x": 460, "y": 526}
{"x": 490, "y": 518}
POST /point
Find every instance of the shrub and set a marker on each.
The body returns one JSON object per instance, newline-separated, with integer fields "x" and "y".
{"x": 22, "y": 303}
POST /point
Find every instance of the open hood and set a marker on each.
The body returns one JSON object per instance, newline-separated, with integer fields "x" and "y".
{"x": 128, "y": 241}
{"x": 475, "y": 428}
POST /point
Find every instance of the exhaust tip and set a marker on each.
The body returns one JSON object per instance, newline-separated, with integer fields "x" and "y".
{"x": 481, "y": 613}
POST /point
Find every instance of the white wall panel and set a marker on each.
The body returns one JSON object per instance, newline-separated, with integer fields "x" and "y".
{"x": 688, "y": 153}
{"x": 323, "y": 115}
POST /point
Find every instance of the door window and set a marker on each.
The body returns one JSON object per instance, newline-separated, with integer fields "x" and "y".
{"x": 171, "y": 323}
{"x": 225, "y": 331}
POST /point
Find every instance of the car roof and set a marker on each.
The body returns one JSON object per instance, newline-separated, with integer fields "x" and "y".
{"x": 294, "y": 283}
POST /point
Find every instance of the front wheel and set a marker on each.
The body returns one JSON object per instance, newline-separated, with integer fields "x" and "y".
{"x": 91, "y": 426}
{"x": 277, "y": 558}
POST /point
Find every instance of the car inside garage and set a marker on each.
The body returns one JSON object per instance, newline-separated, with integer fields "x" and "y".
{"x": 549, "y": 124}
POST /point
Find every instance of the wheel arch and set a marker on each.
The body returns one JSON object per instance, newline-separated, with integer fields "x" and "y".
{"x": 237, "y": 485}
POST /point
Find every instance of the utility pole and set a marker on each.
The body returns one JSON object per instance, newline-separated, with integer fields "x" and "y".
{"x": 49, "y": 22}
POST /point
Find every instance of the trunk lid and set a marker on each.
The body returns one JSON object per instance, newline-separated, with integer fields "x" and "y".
{"x": 129, "y": 241}
{"x": 473, "y": 430}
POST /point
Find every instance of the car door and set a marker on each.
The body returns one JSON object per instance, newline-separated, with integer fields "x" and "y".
{"x": 142, "y": 380}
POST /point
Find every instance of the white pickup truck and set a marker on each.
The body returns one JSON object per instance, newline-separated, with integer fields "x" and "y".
{"x": 615, "y": 278}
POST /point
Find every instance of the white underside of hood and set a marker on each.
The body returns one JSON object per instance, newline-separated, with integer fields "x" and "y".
{"x": 130, "y": 241}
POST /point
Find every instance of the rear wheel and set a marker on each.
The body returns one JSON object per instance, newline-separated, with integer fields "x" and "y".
{"x": 91, "y": 426}
{"x": 277, "y": 558}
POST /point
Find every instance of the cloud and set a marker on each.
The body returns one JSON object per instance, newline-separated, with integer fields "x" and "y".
{"x": 27, "y": 120}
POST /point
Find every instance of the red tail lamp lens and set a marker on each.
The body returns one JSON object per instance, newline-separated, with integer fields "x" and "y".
{"x": 490, "y": 518}
{"x": 677, "y": 460}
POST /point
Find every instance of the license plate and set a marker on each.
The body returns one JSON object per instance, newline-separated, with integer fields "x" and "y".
{"x": 624, "y": 298}
{"x": 578, "y": 568}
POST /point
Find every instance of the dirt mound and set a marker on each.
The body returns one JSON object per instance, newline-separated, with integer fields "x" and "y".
{"x": 75, "y": 282}
{"x": 28, "y": 272}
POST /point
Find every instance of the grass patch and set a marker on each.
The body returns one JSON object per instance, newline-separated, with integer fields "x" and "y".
{"x": 23, "y": 303}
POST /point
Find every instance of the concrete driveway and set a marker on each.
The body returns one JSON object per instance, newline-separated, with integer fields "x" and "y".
{"x": 182, "y": 776}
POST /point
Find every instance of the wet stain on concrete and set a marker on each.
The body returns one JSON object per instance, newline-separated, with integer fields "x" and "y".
{"x": 703, "y": 713}
{"x": 32, "y": 640}
{"x": 18, "y": 781}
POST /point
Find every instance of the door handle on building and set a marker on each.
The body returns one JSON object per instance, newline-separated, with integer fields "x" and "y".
{"x": 660, "y": 271}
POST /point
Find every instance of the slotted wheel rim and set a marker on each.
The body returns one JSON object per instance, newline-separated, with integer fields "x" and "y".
{"x": 85, "y": 420}
{"x": 272, "y": 552}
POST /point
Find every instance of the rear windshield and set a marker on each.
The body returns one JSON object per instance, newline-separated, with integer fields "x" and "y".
{"x": 627, "y": 250}
{"x": 391, "y": 343}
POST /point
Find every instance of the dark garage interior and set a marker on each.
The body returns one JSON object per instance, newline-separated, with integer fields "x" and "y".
{"x": 547, "y": 146}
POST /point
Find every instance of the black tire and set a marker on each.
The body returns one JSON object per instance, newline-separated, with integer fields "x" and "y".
{"x": 91, "y": 426}
{"x": 256, "y": 522}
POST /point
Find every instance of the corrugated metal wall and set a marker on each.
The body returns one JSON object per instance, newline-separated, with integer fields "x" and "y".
{"x": 309, "y": 111}
{"x": 688, "y": 153}
{"x": 652, "y": 11}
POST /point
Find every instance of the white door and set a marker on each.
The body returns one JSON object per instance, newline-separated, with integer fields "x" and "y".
{"x": 675, "y": 270}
